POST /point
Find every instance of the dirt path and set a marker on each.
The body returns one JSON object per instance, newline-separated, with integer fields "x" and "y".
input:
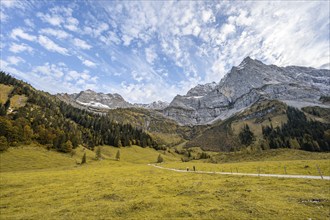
{"x": 246, "y": 174}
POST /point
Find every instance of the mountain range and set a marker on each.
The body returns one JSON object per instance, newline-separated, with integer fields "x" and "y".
{"x": 253, "y": 99}
{"x": 244, "y": 85}
{"x": 93, "y": 100}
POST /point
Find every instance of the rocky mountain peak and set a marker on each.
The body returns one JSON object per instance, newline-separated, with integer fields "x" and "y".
{"x": 201, "y": 90}
{"x": 245, "y": 85}
{"x": 156, "y": 105}
{"x": 92, "y": 99}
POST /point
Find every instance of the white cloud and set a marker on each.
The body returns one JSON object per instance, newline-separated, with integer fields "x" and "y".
{"x": 18, "y": 32}
{"x": 96, "y": 29}
{"x": 71, "y": 24}
{"x": 81, "y": 44}
{"x": 51, "y": 45}
{"x": 18, "y": 48}
{"x": 151, "y": 54}
{"x": 14, "y": 60}
{"x": 207, "y": 16}
{"x": 138, "y": 93}
{"x": 101, "y": 28}
{"x": 110, "y": 37}
{"x": 86, "y": 62}
{"x": 55, "y": 20}
{"x": 8, "y": 3}
{"x": 89, "y": 63}
{"x": 226, "y": 30}
{"x": 192, "y": 41}
{"x": 58, "y": 33}
{"x": 126, "y": 39}
{"x": 29, "y": 23}
{"x": 3, "y": 17}
{"x": 51, "y": 70}
{"x": 54, "y": 78}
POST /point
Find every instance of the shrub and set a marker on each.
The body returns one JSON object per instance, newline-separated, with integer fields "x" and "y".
{"x": 3, "y": 143}
{"x": 98, "y": 153}
{"x": 118, "y": 155}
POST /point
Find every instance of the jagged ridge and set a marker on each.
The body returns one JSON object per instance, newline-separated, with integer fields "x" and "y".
{"x": 245, "y": 85}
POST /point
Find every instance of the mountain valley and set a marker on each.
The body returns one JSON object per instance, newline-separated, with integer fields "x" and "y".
{"x": 211, "y": 116}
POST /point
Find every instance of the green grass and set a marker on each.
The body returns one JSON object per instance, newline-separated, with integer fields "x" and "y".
{"x": 129, "y": 189}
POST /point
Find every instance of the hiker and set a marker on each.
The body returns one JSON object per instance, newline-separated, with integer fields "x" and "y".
{"x": 187, "y": 168}
{"x": 194, "y": 168}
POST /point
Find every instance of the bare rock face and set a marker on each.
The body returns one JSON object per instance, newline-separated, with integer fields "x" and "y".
{"x": 245, "y": 85}
{"x": 92, "y": 99}
{"x": 159, "y": 105}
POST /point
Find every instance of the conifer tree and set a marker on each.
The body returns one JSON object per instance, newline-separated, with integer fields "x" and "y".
{"x": 83, "y": 160}
{"x": 7, "y": 104}
{"x": 2, "y": 109}
{"x": 246, "y": 136}
{"x": 68, "y": 147}
{"x": 160, "y": 159}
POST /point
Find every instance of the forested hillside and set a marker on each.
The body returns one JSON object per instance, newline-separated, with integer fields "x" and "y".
{"x": 46, "y": 120}
{"x": 298, "y": 133}
{"x": 269, "y": 125}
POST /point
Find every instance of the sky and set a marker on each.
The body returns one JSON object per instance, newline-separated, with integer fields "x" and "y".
{"x": 153, "y": 50}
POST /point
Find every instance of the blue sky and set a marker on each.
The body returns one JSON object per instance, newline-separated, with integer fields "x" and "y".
{"x": 153, "y": 50}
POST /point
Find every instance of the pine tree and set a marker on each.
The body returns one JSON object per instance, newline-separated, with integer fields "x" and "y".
{"x": 67, "y": 147}
{"x": 160, "y": 159}
{"x": 83, "y": 160}
{"x": 2, "y": 109}
{"x": 7, "y": 104}
{"x": 246, "y": 136}
{"x": 118, "y": 155}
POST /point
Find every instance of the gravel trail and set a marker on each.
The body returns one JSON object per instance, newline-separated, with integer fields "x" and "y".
{"x": 246, "y": 174}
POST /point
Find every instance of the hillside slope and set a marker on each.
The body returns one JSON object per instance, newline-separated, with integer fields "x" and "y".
{"x": 42, "y": 118}
{"x": 273, "y": 125}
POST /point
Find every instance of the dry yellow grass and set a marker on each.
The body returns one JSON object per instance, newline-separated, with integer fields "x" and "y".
{"x": 4, "y": 92}
{"x": 130, "y": 189}
{"x": 18, "y": 101}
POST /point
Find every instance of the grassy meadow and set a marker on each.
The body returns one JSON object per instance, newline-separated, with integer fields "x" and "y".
{"x": 40, "y": 184}
{"x": 5, "y": 90}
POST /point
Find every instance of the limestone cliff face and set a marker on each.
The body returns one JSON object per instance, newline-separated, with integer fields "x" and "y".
{"x": 93, "y": 100}
{"x": 89, "y": 98}
{"x": 246, "y": 84}
{"x": 159, "y": 105}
